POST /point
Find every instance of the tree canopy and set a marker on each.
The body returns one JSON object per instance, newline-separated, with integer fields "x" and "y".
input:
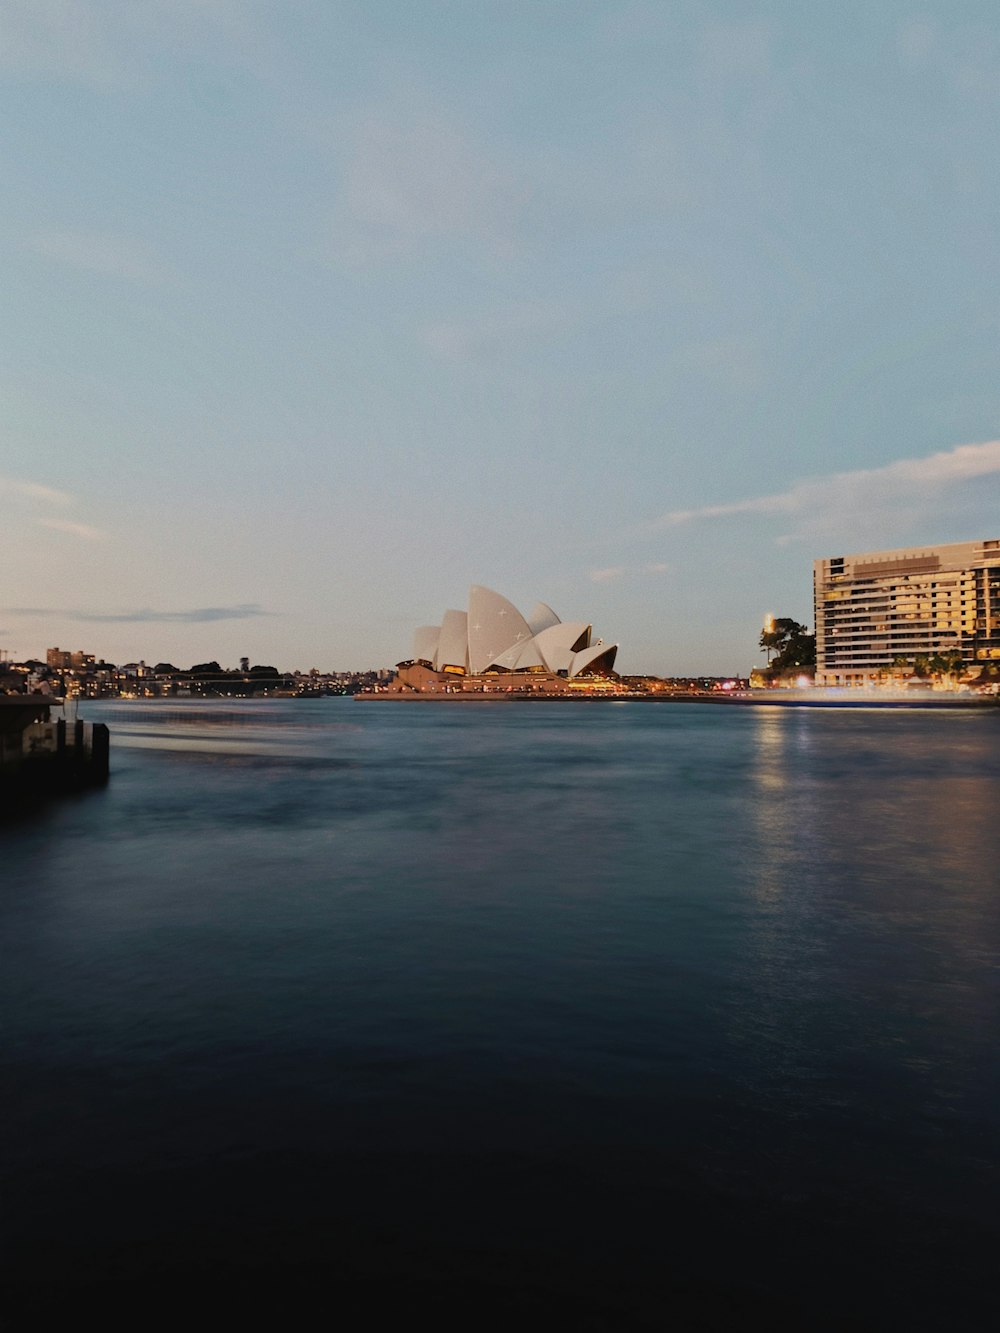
{"x": 793, "y": 646}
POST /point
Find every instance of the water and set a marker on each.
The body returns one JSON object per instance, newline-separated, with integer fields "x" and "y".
{"x": 594, "y": 1016}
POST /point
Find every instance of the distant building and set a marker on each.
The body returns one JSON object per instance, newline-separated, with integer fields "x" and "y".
{"x": 493, "y": 646}
{"x": 880, "y": 606}
{"x": 63, "y": 661}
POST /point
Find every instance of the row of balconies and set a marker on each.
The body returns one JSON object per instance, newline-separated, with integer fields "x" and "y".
{"x": 863, "y": 634}
{"x": 900, "y": 604}
{"x": 864, "y": 614}
{"x": 895, "y": 605}
{"x": 826, "y": 663}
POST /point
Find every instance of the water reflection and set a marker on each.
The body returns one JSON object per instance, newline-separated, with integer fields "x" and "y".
{"x": 876, "y": 935}
{"x": 278, "y": 730}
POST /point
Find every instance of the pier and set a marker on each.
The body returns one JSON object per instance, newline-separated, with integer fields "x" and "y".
{"x": 40, "y": 756}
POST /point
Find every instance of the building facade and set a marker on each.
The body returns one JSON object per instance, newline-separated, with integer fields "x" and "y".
{"x": 59, "y": 660}
{"x": 877, "y": 608}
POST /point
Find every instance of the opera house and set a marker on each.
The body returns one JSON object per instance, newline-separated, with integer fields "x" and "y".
{"x": 491, "y": 647}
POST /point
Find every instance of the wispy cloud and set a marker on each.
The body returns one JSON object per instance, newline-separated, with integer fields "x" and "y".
{"x": 616, "y": 572}
{"x": 11, "y": 488}
{"x": 482, "y": 338}
{"x": 83, "y": 530}
{"x": 198, "y": 616}
{"x": 100, "y": 252}
{"x": 822, "y": 502}
{"x": 35, "y": 502}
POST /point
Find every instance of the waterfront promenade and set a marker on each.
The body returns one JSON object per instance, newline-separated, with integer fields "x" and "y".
{"x": 812, "y": 698}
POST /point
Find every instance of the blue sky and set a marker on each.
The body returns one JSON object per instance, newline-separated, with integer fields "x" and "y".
{"x": 317, "y": 313}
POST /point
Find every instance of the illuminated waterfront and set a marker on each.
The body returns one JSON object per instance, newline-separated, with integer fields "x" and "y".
{"x": 600, "y": 1016}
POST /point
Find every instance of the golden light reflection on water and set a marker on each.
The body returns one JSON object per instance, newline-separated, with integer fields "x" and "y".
{"x": 872, "y": 874}
{"x": 769, "y": 771}
{"x": 770, "y": 784}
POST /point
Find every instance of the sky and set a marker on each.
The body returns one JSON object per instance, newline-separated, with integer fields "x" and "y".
{"x": 316, "y": 313}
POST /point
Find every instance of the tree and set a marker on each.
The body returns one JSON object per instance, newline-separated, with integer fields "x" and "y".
{"x": 794, "y": 647}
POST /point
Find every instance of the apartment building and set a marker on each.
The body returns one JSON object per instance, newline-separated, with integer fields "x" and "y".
{"x": 63, "y": 661}
{"x": 878, "y": 606}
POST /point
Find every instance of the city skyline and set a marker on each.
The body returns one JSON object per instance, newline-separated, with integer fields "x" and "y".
{"x": 319, "y": 313}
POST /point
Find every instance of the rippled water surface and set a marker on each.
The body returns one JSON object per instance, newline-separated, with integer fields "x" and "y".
{"x": 585, "y": 1015}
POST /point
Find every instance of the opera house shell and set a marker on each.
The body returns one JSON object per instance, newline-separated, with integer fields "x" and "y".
{"x": 493, "y": 637}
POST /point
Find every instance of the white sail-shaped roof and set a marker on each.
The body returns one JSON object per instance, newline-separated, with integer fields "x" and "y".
{"x": 452, "y": 648}
{"x": 521, "y": 657}
{"x": 494, "y": 626}
{"x": 604, "y": 653}
{"x": 530, "y": 657}
{"x": 558, "y": 643}
{"x": 425, "y": 642}
{"x": 541, "y": 617}
{"x": 493, "y": 635}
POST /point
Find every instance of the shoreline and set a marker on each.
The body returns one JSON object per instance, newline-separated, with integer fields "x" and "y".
{"x": 961, "y": 703}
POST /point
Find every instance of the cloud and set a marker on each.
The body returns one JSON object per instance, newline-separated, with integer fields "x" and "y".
{"x": 820, "y": 503}
{"x": 100, "y": 252}
{"x": 481, "y": 339}
{"x": 782, "y": 503}
{"x": 83, "y": 530}
{"x": 199, "y": 616}
{"x": 30, "y": 495}
{"x": 33, "y": 490}
{"x": 616, "y": 572}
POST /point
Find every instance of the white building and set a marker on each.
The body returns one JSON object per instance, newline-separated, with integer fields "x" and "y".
{"x": 493, "y": 637}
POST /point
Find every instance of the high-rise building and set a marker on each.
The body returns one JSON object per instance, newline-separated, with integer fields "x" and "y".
{"x": 880, "y": 606}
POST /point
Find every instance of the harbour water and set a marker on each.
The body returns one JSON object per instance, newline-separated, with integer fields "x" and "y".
{"x": 598, "y": 1016}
